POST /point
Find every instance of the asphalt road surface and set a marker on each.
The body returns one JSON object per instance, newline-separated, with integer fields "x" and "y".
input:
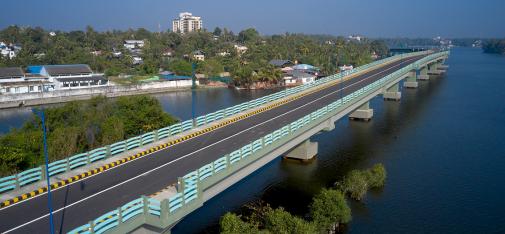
{"x": 82, "y": 201}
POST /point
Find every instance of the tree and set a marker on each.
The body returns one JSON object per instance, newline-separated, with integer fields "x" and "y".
{"x": 248, "y": 35}
{"x": 217, "y": 31}
{"x": 380, "y": 48}
{"x": 281, "y": 221}
{"x": 376, "y": 176}
{"x": 181, "y": 67}
{"x": 76, "y": 127}
{"x": 232, "y": 224}
{"x": 329, "y": 209}
{"x": 355, "y": 184}
{"x": 210, "y": 67}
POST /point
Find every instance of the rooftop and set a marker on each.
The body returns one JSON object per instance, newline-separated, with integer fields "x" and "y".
{"x": 280, "y": 62}
{"x": 11, "y": 72}
{"x": 70, "y": 69}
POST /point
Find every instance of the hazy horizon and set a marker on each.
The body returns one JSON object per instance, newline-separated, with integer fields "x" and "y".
{"x": 384, "y": 19}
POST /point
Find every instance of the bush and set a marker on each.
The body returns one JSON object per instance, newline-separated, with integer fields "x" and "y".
{"x": 329, "y": 208}
{"x": 355, "y": 184}
{"x": 232, "y": 224}
{"x": 281, "y": 221}
{"x": 376, "y": 176}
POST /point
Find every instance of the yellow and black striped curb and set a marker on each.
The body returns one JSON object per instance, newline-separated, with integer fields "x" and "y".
{"x": 176, "y": 141}
{"x": 332, "y": 83}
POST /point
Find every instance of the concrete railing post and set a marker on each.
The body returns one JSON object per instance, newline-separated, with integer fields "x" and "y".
{"x": 145, "y": 203}
{"x": 164, "y": 210}
{"x": 17, "y": 181}
{"x": 67, "y": 164}
{"x": 119, "y": 215}
{"x": 156, "y": 135}
{"x": 92, "y": 227}
{"x": 43, "y": 172}
{"x": 88, "y": 160}
{"x": 180, "y": 184}
{"x": 107, "y": 151}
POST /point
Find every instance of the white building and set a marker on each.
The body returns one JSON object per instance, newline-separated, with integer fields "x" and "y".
{"x": 133, "y": 44}
{"x": 72, "y": 76}
{"x": 9, "y": 51}
{"x": 187, "y": 23}
{"x": 198, "y": 55}
{"x": 294, "y": 78}
{"x": 355, "y": 37}
{"x": 14, "y": 80}
{"x": 240, "y": 49}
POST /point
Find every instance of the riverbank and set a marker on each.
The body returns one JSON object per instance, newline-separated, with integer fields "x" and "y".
{"x": 60, "y": 96}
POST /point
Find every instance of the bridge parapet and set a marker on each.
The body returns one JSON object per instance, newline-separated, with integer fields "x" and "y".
{"x": 198, "y": 186}
{"x": 75, "y": 168}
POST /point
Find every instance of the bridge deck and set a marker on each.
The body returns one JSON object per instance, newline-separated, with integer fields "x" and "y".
{"x": 85, "y": 200}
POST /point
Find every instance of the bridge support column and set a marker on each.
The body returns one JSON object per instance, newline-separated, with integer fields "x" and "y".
{"x": 362, "y": 113}
{"x": 423, "y": 74}
{"x": 411, "y": 81}
{"x": 393, "y": 93}
{"x": 304, "y": 151}
{"x": 330, "y": 125}
{"x": 433, "y": 69}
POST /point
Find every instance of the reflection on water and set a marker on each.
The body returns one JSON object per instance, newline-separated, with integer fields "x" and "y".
{"x": 176, "y": 103}
{"x": 442, "y": 146}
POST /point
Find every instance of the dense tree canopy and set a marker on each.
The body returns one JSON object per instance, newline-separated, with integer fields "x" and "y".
{"x": 323, "y": 51}
{"x": 77, "y": 127}
{"x": 329, "y": 208}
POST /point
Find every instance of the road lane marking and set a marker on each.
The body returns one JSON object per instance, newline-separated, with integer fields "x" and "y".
{"x": 83, "y": 176}
{"x": 201, "y": 149}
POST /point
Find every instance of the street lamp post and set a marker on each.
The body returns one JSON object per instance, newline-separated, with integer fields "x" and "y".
{"x": 40, "y": 113}
{"x": 193, "y": 92}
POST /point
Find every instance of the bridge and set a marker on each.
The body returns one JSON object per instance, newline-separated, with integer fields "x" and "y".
{"x": 150, "y": 182}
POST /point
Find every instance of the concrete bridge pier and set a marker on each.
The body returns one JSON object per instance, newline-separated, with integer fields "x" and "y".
{"x": 411, "y": 81}
{"x": 433, "y": 69}
{"x": 423, "y": 74}
{"x": 304, "y": 151}
{"x": 364, "y": 112}
{"x": 330, "y": 125}
{"x": 393, "y": 93}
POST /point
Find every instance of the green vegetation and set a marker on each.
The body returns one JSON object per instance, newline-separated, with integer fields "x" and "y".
{"x": 494, "y": 46}
{"x": 323, "y": 51}
{"x": 78, "y": 127}
{"x": 232, "y": 224}
{"x": 328, "y": 209}
{"x": 357, "y": 182}
{"x": 280, "y": 221}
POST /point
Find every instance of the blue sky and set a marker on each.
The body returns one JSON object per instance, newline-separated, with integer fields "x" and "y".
{"x": 373, "y": 18}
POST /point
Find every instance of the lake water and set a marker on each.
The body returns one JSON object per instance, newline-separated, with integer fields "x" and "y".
{"x": 443, "y": 146}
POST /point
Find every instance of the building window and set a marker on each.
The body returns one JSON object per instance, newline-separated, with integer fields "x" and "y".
{"x": 31, "y": 88}
{"x": 16, "y": 90}
{"x": 8, "y": 90}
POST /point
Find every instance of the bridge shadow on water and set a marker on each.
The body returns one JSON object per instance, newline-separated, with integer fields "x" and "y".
{"x": 352, "y": 145}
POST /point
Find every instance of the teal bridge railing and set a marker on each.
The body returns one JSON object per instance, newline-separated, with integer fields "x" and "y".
{"x": 168, "y": 211}
{"x": 36, "y": 174}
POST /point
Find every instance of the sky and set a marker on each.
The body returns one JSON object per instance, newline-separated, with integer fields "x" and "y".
{"x": 371, "y": 18}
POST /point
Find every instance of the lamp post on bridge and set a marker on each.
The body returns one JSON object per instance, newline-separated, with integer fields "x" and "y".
{"x": 41, "y": 114}
{"x": 193, "y": 92}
